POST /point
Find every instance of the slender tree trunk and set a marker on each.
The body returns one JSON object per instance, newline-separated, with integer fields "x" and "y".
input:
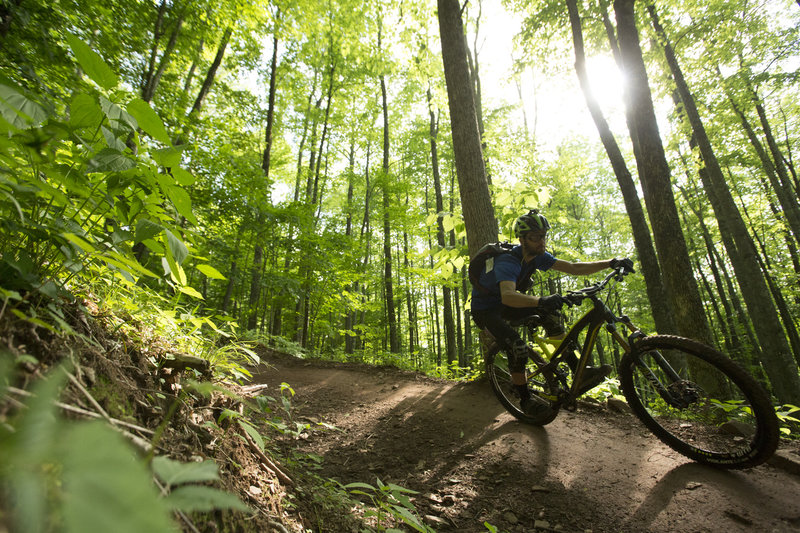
{"x": 412, "y": 343}
{"x": 255, "y": 286}
{"x": 662, "y": 314}
{"x": 449, "y": 326}
{"x": 157, "y": 32}
{"x": 767, "y": 164}
{"x": 212, "y": 72}
{"x": 149, "y": 91}
{"x": 776, "y": 354}
{"x": 711, "y": 254}
{"x": 273, "y": 76}
{"x": 655, "y": 176}
{"x": 349, "y": 318}
{"x": 187, "y": 85}
{"x": 783, "y": 187}
{"x": 476, "y": 203}
{"x": 226, "y": 299}
{"x": 391, "y": 313}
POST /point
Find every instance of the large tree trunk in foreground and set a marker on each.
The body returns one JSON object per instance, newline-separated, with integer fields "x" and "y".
{"x": 665, "y": 323}
{"x": 476, "y": 203}
{"x": 654, "y": 171}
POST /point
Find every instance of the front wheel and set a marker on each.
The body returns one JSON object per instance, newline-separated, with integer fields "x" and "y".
{"x": 699, "y": 402}
{"x": 500, "y": 378}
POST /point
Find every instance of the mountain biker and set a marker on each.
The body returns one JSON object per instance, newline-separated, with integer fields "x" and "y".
{"x": 500, "y": 297}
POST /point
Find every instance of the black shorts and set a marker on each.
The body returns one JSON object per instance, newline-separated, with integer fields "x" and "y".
{"x": 496, "y": 321}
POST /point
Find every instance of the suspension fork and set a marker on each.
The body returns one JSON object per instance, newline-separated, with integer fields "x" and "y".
{"x": 661, "y": 361}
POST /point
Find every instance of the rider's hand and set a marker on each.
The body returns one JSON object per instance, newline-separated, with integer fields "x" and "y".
{"x": 551, "y": 303}
{"x": 625, "y": 263}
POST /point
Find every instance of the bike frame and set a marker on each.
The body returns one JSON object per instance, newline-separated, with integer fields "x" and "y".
{"x": 595, "y": 318}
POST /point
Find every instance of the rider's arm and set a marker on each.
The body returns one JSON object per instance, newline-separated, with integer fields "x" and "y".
{"x": 512, "y": 298}
{"x": 580, "y": 268}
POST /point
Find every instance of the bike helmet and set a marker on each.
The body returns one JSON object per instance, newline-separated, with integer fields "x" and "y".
{"x": 532, "y": 220}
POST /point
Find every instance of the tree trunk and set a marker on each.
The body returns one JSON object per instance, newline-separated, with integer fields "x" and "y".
{"x": 659, "y": 305}
{"x": 767, "y": 164}
{"x": 783, "y": 187}
{"x": 212, "y": 72}
{"x": 255, "y": 286}
{"x": 157, "y": 32}
{"x": 149, "y": 90}
{"x": 226, "y": 299}
{"x": 476, "y": 203}
{"x": 776, "y": 354}
{"x": 730, "y": 320}
{"x": 187, "y": 85}
{"x": 654, "y": 171}
{"x": 447, "y": 304}
{"x": 265, "y": 159}
{"x": 394, "y": 337}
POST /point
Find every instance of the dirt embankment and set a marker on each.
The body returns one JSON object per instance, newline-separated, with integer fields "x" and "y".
{"x": 591, "y": 470}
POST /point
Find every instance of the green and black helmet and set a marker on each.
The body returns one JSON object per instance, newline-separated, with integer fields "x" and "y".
{"x": 532, "y": 220}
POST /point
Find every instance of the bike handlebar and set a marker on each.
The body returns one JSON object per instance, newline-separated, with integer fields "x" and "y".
{"x": 577, "y": 297}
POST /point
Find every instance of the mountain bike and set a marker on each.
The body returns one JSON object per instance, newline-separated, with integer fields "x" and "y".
{"x": 695, "y": 399}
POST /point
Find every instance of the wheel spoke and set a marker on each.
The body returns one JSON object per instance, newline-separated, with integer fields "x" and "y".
{"x": 700, "y": 403}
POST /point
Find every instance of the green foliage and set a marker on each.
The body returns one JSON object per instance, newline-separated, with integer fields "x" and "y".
{"x": 81, "y": 193}
{"x": 389, "y": 503}
{"x": 789, "y": 416}
{"x": 67, "y": 476}
{"x": 61, "y": 476}
{"x": 182, "y": 480}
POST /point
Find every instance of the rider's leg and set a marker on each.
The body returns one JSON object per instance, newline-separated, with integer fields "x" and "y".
{"x": 516, "y": 350}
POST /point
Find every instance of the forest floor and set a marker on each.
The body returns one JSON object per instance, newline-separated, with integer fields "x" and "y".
{"x": 472, "y": 463}
{"x": 469, "y": 461}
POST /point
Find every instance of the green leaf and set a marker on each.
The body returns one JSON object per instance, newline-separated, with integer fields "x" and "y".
{"x": 175, "y": 473}
{"x": 190, "y": 291}
{"x": 19, "y": 110}
{"x": 182, "y": 176}
{"x": 210, "y": 271}
{"x": 79, "y": 242}
{"x": 92, "y": 64}
{"x": 192, "y": 498}
{"x": 126, "y": 264}
{"x": 118, "y": 117}
{"x": 254, "y": 434}
{"x": 84, "y": 111}
{"x": 183, "y": 204}
{"x": 409, "y": 518}
{"x": 168, "y": 157}
{"x": 177, "y": 248}
{"x": 359, "y": 485}
{"x": 109, "y": 160}
{"x": 148, "y": 120}
{"x": 146, "y": 229}
{"x": 105, "y": 487}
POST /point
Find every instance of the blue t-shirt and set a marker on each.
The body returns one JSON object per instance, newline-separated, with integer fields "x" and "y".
{"x": 506, "y": 267}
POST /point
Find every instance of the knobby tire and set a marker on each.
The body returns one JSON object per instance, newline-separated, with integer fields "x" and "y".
{"x": 500, "y": 379}
{"x": 728, "y": 420}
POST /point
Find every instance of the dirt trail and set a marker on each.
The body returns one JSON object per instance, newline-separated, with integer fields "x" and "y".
{"x": 591, "y": 470}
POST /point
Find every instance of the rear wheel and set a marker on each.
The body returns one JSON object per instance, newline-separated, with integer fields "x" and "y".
{"x": 500, "y": 379}
{"x": 711, "y": 410}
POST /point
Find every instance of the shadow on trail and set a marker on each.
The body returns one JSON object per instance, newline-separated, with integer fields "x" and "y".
{"x": 472, "y": 462}
{"x": 689, "y": 482}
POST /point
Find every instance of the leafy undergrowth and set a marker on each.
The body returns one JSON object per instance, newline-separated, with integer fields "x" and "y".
{"x": 97, "y": 430}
